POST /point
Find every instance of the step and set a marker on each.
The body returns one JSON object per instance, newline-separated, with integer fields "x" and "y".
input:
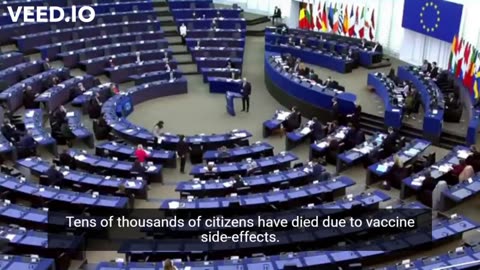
{"x": 259, "y": 20}
{"x": 160, "y": 3}
{"x": 184, "y": 58}
{"x": 188, "y": 68}
{"x": 164, "y": 22}
{"x": 178, "y": 48}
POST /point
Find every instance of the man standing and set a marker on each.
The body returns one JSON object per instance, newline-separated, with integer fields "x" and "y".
{"x": 182, "y": 151}
{"x": 277, "y": 14}
{"x": 246, "y": 91}
{"x": 183, "y": 33}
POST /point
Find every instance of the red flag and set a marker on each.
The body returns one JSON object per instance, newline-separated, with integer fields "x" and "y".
{"x": 372, "y": 26}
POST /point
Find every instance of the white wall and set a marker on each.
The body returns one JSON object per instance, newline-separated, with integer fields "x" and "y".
{"x": 263, "y": 7}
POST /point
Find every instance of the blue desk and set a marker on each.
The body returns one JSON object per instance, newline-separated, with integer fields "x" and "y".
{"x": 222, "y": 85}
{"x": 393, "y": 113}
{"x": 160, "y": 75}
{"x": 280, "y": 161}
{"x": 258, "y": 183}
{"x": 11, "y": 59}
{"x": 230, "y": 100}
{"x": 433, "y": 119}
{"x": 217, "y": 62}
{"x": 33, "y": 120}
{"x": 315, "y": 57}
{"x": 275, "y": 123}
{"x": 320, "y": 148}
{"x": 124, "y": 151}
{"x": 121, "y": 74}
{"x": 9, "y": 262}
{"x": 79, "y": 131}
{"x": 216, "y": 51}
{"x": 103, "y": 184}
{"x": 408, "y": 154}
{"x": 73, "y": 58}
{"x": 215, "y": 42}
{"x": 51, "y": 51}
{"x": 59, "y": 199}
{"x": 95, "y": 66}
{"x": 218, "y": 33}
{"x": 232, "y": 73}
{"x": 187, "y": 13}
{"x": 357, "y": 153}
{"x": 14, "y": 74}
{"x": 222, "y": 23}
{"x": 82, "y": 100}
{"x": 313, "y": 95}
{"x": 6, "y": 147}
{"x": 120, "y": 168}
{"x": 413, "y": 183}
{"x": 182, "y": 4}
{"x": 13, "y": 96}
{"x": 254, "y": 151}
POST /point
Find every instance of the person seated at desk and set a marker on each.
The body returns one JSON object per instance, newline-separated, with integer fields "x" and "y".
{"x": 229, "y": 64}
{"x": 318, "y": 171}
{"x": 157, "y": 129}
{"x": 374, "y": 155}
{"x": 350, "y": 137}
{"x": 10, "y": 131}
{"x": 426, "y": 67}
{"x": 328, "y": 83}
{"x": 282, "y": 29}
{"x": 79, "y": 90}
{"x": 297, "y": 66}
{"x": 223, "y": 152}
{"x": 94, "y": 106}
{"x": 194, "y": 15}
{"x": 377, "y": 47}
{"x": 114, "y": 89}
{"x": 111, "y": 63}
{"x": 238, "y": 181}
{"x": 318, "y": 130}
{"x": 168, "y": 265}
{"x": 167, "y": 66}
{"x": 301, "y": 43}
{"x": 26, "y": 146}
{"x": 293, "y": 121}
{"x": 66, "y": 160}
{"x": 363, "y": 44}
{"x": 433, "y": 73}
{"x": 336, "y": 115}
{"x": 303, "y": 71}
{"x": 352, "y": 55}
{"x": 141, "y": 154}
{"x": 355, "y": 116}
{"x": 277, "y": 14}
{"x": 67, "y": 134}
{"x": 332, "y": 126}
{"x": 290, "y": 42}
{"x": 102, "y": 129}
{"x": 409, "y": 104}
{"x": 390, "y": 142}
{"x": 183, "y": 32}
{"x": 138, "y": 169}
{"x": 182, "y": 152}
{"x": 59, "y": 117}
{"x": 53, "y": 176}
{"x": 54, "y": 82}
{"x": 392, "y": 76}
{"x": 46, "y": 64}
{"x": 138, "y": 58}
{"x": 29, "y": 98}
{"x": 397, "y": 173}
{"x": 214, "y": 25}
{"x": 210, "y": 171}
{"x": 312, "y": 75}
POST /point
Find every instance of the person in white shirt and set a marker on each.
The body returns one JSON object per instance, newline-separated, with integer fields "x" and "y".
{"x": 167, "y": 66}
{"x": 139, "y": 59}
{"x": 183, "y": 32}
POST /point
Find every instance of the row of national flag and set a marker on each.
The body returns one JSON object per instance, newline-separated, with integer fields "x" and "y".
{"x": 464, "y": 63}
{"x": 339, "y": 18}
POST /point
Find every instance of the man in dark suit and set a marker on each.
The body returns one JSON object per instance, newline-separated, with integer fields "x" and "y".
{"x": 329, "y": 83}
{"x": 53, "y": 176}
{"x": 313, "y": 76}
{"x": 318, "y": 131}
{"x": 46, "y": 64}
{"x": 182, "y": 151}
{"x": 363, "y": 44}
{"x": 377, "y": 47}
{"x": 26, "y": 146}
{"x": 277, "y": 14}
{"x": 10, "y": 132}
{"x": 390, "y": 142}
{"x": 246, "y": 91}
{"x": 335, "y": 110}
{"x": 29, "y": 98}
{"x": 230, "y": 64}
{"x": 434, "y": 71}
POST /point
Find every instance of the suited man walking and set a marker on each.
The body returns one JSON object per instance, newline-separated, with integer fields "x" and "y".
{"x": 246, "y": 91}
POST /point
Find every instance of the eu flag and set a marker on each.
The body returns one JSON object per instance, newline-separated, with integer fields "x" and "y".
{"x": 436, "y": 18}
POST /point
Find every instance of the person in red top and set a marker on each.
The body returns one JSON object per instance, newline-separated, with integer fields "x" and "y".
{"x": 114, "y": 89}
{"x": 141, "y": 154}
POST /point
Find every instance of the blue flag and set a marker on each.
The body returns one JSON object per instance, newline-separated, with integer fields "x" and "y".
{"x": 436, "y": 18}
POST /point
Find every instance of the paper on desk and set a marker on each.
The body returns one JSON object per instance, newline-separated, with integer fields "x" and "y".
{"x": 151, "y": 168}
{"x": 173, "y": 205}
{"x": 305, "y": 131}
{"x": 30, "y": 126}
{"x": 382, "y": 168}
{"x": 340, "y": 135}
{"x": 445, "y": 168}
{"x": 196, "y": 186}
{"x": 463, "y": 154}
{"x": 227, "y": 184}
{"x": 70, "y": 114}
{"x": 65, "y": 173}
{"x": 80, "y": 157}
{"x": 10, "y": 236}
{"x": 240, "y": 135}
{"x": 130, "y": 184}
{"x": 30, "y": 114}
{"x": 322, "y": 144}
{"x": 282, "y": 116}
{"x": 412, "y": 152}
{"x": 416, "y": 183}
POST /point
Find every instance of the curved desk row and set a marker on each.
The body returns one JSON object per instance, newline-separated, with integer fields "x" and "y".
{"x": 124, "y": 151}
{"x": 78, "y": 129}
{"x": 222, "y": 23}
{"x": 232, "y": 73}
{"x": 319, "y": 148}
{"x": 218, "y": 33}
{"x": 406, "y": 155}
{"x": 253, "y": 151}
{"x": 393, "y": 114}
{"x": 209, "y": 42}
{"x": 289, "y": 198}
{"x": 103, "y": 90}
{"x": 192, "y": 4}
{"x": 359, "y": 152}
{"x": 27, "y": 43}
{"x": 59, "y": 94}
{"x": 187, "y": 13}
{"x": 10, "y": 262}
{"x": 315, "y": 57}
{"x": 33, "y": 120}
{"x": 74, "y": 58}
{"x": 87, "y": 181}
{"x": 96, "y": 66}
{"x": 433, "y": 118}
{"x": 281, "y": 161}
{"x": 51, "y": 51}
{"x": 13, "y": 96}
{"x": 257, "y": 183}
{"x": 216, "y": 51}
{"x": 158, "y": 75}
{"x": 121, "y": 74}
{"x": 60, "y": 199}
{"x": 217, "y": 62}
{"x": 14, "y": 74}
{"x": 290, "y": 91}
{"x": 11, "y": 59}
{"x": 412, "y": 184}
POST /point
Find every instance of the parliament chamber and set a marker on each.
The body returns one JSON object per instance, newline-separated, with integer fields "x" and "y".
{"x": 271, "y": 123}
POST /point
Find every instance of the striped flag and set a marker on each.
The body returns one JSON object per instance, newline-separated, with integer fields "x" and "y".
{"x": 476, "y": 83}
{"x": 346, "y": 21}
{"x": 340, "y": 20}
{"x": 452, "y": 54}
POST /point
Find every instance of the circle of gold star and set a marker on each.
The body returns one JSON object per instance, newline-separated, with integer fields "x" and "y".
{"x": 430, "y": 28}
